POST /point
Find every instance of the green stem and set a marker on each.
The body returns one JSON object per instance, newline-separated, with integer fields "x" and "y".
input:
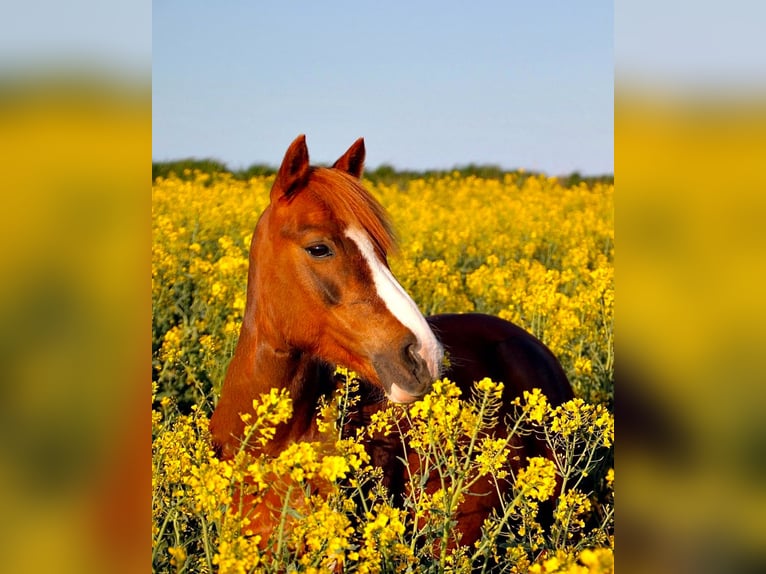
{"x": 500, "y": 524}
{"x": 283, "y": 521}
{"x": 179, "y": 568}
{"x": 161, "y": 533}
{"x": 206, "y": 544}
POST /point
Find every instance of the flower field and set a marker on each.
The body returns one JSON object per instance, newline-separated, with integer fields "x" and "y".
{"x": 523, "y": 247}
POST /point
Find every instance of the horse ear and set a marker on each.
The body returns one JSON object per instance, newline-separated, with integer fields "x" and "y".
{"x": 294, "y": 171}
{"x": 352, "y": 162}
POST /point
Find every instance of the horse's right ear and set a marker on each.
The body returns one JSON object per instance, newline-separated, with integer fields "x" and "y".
{"x": 294, "y": 171}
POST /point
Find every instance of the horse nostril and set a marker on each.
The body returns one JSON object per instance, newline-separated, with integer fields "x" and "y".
{"x": 418, "y": 366}
{"x": 411, "y": 354}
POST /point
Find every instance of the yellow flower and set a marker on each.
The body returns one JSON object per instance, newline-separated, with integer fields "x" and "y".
{"x": 536, "y": 405}
{"x": 354, "y": 453}
{"x": 270, "y": 409}
{"x": 493, "y": 454}
{"x": 598, "y": 560}
{"x": 381, "y": 422}
{"x": 538, "y": 479}
{"x": 489, "y": 387}
{"x": 300, "y": 460}
{"x": 178, "y": 555}
{"x": 570, "y": 510}
{"x": 583, "y": 366}
{"x": 323, "y": 536}
{"x": 333, "y": 468}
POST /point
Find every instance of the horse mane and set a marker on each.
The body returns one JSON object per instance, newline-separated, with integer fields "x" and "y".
{"x": 351, "y": 204}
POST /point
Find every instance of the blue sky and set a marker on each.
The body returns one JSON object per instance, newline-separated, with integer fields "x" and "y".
{"x": 427, "y": 84}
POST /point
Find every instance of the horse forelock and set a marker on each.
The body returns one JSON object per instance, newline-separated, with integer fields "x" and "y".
{"x": 353, "y": 206}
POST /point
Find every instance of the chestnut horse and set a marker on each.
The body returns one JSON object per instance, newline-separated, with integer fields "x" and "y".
{"x": 320, "y": 293}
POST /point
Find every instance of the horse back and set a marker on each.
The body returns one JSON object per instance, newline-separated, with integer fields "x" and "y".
{"x": 480, "y": 346}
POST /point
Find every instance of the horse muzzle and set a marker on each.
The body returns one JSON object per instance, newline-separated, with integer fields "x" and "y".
{"x": 406, "y": 377}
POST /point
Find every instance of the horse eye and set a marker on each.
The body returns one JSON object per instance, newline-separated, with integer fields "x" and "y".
{"x": 319, "y": 251}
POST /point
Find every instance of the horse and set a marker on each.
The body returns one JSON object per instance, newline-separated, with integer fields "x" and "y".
{"x": 320, "y": 293}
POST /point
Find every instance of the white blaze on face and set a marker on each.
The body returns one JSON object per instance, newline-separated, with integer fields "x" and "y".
{"x": 400, "y": 304}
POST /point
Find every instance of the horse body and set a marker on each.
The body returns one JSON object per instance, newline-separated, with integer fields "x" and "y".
{"x": 320, "y": 293}
{"x": 481, "y": 346}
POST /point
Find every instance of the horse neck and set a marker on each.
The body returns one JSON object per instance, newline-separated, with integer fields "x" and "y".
{"x": 257, "y": 367}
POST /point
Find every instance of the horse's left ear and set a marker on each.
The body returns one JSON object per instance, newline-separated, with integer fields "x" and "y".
{"x": 294, "y": 171}
{"x": 352, "y": 162}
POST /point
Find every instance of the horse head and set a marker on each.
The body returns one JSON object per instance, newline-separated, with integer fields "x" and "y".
{"x": 320, "y": 283}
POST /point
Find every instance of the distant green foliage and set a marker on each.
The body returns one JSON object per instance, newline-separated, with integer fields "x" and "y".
{"x": 383, "y": 174}
{"x": 576, "y": 178}
{"x": 186, "y": 169}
